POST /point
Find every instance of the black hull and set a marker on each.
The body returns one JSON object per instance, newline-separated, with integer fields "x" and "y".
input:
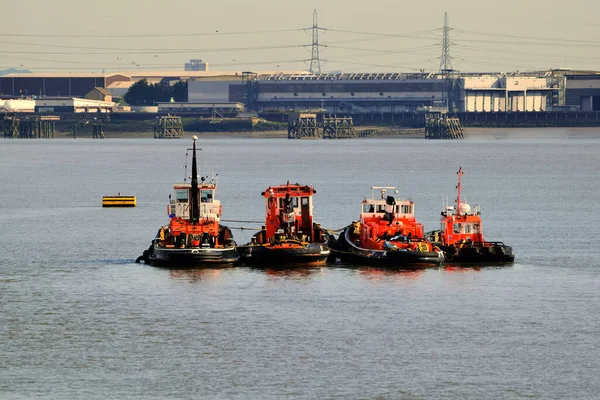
{"x": 498, "y": 253}
{"x": 348, "y": 252}
{"x": 311, "y": 254}
{"x": 191, "y": 258}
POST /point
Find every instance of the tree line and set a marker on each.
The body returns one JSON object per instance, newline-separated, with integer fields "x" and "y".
{"x": 143, "y": 93}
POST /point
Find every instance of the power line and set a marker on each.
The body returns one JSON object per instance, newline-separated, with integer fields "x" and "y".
{"x": 553, "y": 40}
{"x": 150, "y": 35}
{"x": 413, "y": 35}
{"x": 167, "y": 51}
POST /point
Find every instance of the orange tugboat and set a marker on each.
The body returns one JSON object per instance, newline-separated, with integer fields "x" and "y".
{"x": 387, "y": 234}
{"x": 194, "y": 236}
{"x": 461, "y": 235}
{"x": 289, "y": 235}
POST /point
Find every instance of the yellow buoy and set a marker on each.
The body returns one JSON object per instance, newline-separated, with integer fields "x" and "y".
{"x": 118, "y": 201}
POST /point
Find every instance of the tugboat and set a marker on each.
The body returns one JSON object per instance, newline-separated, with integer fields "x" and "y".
{"x": 289, "y": 236}
{"x": 387, "y": 235}
{"x": 194, "y": 236}
{"x": 461, "y": 235}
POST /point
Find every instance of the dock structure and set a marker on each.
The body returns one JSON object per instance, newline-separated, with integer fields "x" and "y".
{"x": 168, "y": 127}
{"x": 30, "y": 127}
{"x": 338, "y": 128}
{"x": 441, "y": 126}
{"x": 303, "y": 126}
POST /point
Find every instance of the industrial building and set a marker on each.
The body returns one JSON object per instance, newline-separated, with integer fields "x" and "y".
{"x": 365, "y": 93}
{"x": 196, "y": 65}
{"x": 72, "y": 105}
{"x": 501, "y": 93}
{"x": 48, "y": 84}
{"x": 348, "y": 93}
{"x": 583, "y": 90}
{"x": 209, "y": 109}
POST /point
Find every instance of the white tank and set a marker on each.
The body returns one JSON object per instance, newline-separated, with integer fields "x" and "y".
{"x": 465, "y": 208}
{"x": 18, "y": 105}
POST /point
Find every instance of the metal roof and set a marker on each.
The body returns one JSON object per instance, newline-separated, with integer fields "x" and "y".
{"x": 62, "y": 75}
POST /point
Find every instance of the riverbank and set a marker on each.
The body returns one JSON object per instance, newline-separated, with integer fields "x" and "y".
{"x": 141, "y": 131}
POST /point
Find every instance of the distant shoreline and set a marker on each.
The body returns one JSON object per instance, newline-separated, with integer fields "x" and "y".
{"x": 259, "y": 134}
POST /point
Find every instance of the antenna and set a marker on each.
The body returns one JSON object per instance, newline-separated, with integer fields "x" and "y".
{"x": 446, "y": 59}
{"x": 315, "y": 62}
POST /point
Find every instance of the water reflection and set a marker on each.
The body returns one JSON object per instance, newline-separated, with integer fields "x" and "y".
{"x": 450, "y": 267}
{"x": 372, "y": 273}
{"x": 196, "y": 275}
{"x": 457, "y": 268}
{"x": 289, "y": 271}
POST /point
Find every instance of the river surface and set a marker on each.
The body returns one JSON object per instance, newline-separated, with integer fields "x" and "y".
{"x": 79, "y": 319}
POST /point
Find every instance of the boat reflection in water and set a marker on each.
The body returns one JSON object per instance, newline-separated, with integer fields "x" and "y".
{"x": 196, "y": 275}
{"x": 296, "y": 272}
{"x": 387, "y": 273}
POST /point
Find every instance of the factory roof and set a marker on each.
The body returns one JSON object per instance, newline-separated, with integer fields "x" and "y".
{"x": 61, "y": 75}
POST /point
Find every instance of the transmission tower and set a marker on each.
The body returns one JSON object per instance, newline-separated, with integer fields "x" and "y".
{"x": 446, "y": 59}
{"x": 315, "y": 61}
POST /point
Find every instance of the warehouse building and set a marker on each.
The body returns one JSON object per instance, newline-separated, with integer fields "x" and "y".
{"x": 583, "y": 90}
{"x": 500, "y": 93}
{"x": 47, "y": 84}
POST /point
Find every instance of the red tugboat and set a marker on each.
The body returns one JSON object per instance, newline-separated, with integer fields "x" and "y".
{"x": 461, "y": 235}
{"x": 387, "y": 235}
{"x": 289, "y": 235}
{"x": 194, "y": 236}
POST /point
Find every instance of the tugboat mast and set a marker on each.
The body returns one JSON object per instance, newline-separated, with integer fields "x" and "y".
{"x": 194, "y": 217}
{"x": 460, "y": 174}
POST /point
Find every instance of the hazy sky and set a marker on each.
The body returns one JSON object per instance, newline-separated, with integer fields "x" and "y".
{"x": 361, "y": 36}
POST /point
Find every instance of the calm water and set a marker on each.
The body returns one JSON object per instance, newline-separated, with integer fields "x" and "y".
{"x": 79, "y": 319}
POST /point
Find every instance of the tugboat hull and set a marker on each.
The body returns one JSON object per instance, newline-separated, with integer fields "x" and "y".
{"x": 307, "y": 255}
{"x": 191, "y": 258}
{"x": 494, "y": 253}
{"x": 349, "y": 252}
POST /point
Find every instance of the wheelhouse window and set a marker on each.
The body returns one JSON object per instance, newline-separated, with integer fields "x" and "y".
{"x": 368, "y": 208}
{"x": 406, "y": 209}
{"x": 181, "y": 196}
{"x": 467, "y": 228}
{"x": 305, "y": 201}
{"x": 380, "y": 208}
{"x": 206, "y": 196}
{"x": 293, "y": 202}
{"x": 457, "y": 228}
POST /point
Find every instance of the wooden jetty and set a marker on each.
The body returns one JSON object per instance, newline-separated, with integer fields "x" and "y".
{"x": 168, "y": 127}
{"x": 303, "y": 126}
{"x": 338, "y": 128}
{"x": 30, "y": 126}
{"x": 440, "y": 126}
{"x": 319, "y": 126}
